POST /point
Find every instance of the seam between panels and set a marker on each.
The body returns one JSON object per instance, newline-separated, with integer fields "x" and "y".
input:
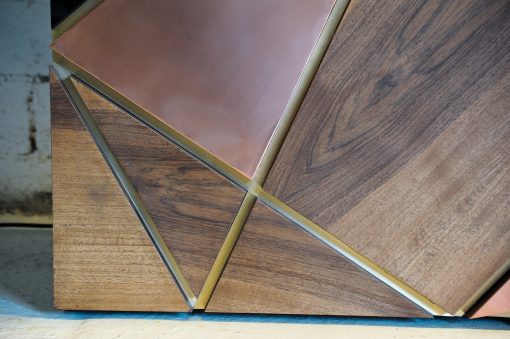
{"x": 300, "y": 89}
{"x": 350, "y": 253}
{"x": 184, "y": 143}
{"x": 226, "y": 249}
{"x": 130, "y": 192}
{"x": 272, "y": 149}
{"x": 201, "y": 154}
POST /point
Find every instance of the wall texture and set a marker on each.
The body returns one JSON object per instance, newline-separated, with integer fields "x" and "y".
{"x": 25, "y": 161}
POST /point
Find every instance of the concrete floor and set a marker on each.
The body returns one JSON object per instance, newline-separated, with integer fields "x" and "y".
{"x": 26, "y": 310}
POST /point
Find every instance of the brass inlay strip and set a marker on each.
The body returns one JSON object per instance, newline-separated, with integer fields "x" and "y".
{"x": 130, "y": 191}
{"x": 73, "y": 18}
{"x": 483, "y": 289}
{"x": 253, "y": 187}
{"x": 225, "y": 251}
{"x": 298, "y": 94}
{"x": 351, "y": 254}
{"x": 152, "y": 121}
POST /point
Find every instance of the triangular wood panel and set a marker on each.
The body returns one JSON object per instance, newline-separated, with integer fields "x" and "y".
{"x": 276, "y": 267}
{"x": 103, "y": 257}
{"x": 192, "y": 206}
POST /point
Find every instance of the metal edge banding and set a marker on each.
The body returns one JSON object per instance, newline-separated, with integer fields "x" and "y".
{"x": 244, "y": 182}
{"x": 130, "y": 192}
{"x": 253, "y": 187}
{"x": 225, "y": 251}
{"x": 300, "y": 90}
{"x": 351, "y": 254}
{"x": 73, "y": 18}
{"x": 152, "y": 121}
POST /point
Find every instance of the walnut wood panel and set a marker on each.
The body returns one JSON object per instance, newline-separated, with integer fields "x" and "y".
{"x": 219, "y": 72}
{"x": 103, "y": 258}
{"x": 401, "y": 146}
{"x": 498, "y": 304}
{"x": 276, "y": 267}
{"x": 192, "y": 206}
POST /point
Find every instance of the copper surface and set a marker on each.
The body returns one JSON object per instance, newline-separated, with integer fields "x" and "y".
{"x": 497, "y": 305}
{"x": 219, "y": 72}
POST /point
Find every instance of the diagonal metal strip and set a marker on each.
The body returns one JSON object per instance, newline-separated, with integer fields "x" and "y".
{"x": 129, "y": 190}
{"x": 300, "y": 90}
{"x": 253, "y": 187}
{"x": 74, "y": 17}
{"x": 348, "y": 252}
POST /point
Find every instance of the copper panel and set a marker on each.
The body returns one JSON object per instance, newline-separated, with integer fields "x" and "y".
{"x": 497, "y": 305}
{"x": 219, "y": 72}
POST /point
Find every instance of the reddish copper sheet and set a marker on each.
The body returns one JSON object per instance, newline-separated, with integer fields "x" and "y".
{"x": 498, "y": 304}
{"x": 219, "y": 72}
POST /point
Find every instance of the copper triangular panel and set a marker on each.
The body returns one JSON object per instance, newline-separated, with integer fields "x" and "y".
{"x": 103, "y": 257}
{"x": 276, "y": 267}
{"x": 192, "y": 206}
{"x": 400, "y": 148}
{"x": 219, "y": 72}
{"x": 498, "y": 304}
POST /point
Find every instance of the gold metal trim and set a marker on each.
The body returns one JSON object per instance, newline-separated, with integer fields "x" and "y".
{"x": 129, "y": 190}
{"x": 483, "y": 289}
{"x": 225, "y": 251}
{"x": 73, "y": 18}
{"x": 351, "y": 254}
{"x": 152, "y": 121}
{"x": 253, "y": 187}
{"x": 298, "y": 94}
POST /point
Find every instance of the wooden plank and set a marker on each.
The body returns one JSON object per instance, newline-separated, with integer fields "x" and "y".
{"x": 400, "y": 148}
{"x": 219, "y": 72}
{"x": 103, "y": 258}
{"x": 276, "y": 267}
{"x": 192, "y": 206}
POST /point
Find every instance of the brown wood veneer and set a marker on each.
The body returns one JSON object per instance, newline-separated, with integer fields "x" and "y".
{"x": 192, "y": 206}
{"x": 276, "y": 267}
{"x": 401, "y": 146}
{"x": 103, "y": 258}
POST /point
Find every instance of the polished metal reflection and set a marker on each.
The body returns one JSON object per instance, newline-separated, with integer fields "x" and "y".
{"x": 219, "y": 72}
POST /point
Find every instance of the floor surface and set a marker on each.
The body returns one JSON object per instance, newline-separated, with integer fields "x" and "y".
{"x": 26, "y": 310}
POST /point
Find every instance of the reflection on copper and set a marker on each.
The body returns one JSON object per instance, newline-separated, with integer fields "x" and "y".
{"x": 497, "y": 305}
{"x": 219, "y": 72}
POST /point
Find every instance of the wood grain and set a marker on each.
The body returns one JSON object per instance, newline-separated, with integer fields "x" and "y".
{"x": 401, "y": 146}
{"x": 192, "y": 206}
{"x": 276, "y": 267}
{"x": 103, "y": 258}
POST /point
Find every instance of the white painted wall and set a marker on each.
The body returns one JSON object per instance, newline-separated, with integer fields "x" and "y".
{"x": 25, "y": 177}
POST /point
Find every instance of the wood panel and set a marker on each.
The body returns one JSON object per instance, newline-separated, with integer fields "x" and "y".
{"x": 219, "y": 72}
{"x": 192, "y": 206}
{"x": 401, "y": 146}
{"x": 103, "y": 258}
{"x": 276, "y": 267}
